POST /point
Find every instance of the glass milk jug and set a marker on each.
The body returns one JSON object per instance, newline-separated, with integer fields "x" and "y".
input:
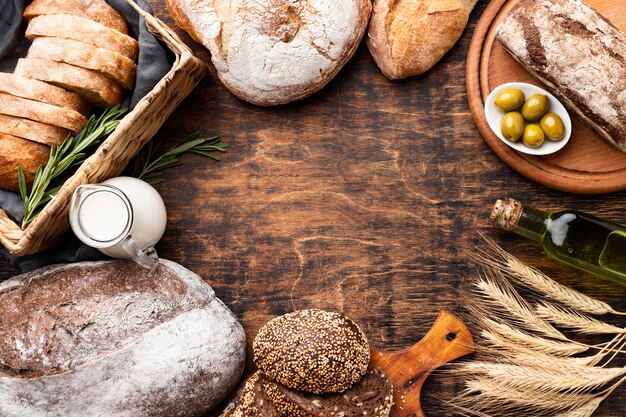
{"x": 122, "y": 217}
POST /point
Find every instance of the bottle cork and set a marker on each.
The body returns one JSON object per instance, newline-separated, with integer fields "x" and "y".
{"x": 506, "y": 214}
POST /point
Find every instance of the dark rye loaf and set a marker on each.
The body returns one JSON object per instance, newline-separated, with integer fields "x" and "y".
{"x": 578, "y": 55}
{"x": 107, "y": 338}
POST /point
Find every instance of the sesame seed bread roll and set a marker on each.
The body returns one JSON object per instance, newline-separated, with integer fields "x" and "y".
{"x": 312, "y": 350}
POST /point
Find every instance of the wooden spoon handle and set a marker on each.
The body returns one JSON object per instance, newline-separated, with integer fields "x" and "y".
{"x": 447, "y": 340}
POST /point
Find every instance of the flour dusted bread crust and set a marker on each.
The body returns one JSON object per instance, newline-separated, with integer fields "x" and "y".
{"x": 275, "y": 51}
{"x": 107, "y": 62}
{"x": 65, "y": 26}
{"x": 94, "y": 87}
{"x": 16, "y": 152}
{"x": 116, "y": 341}
{"x": 97, "y": 10}
{"x": 408, "y": 37}
{"x": 578, "y": 55}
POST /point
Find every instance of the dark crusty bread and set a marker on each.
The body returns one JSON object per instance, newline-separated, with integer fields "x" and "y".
{"x": 97, "y": 10}
{"x": 117, "y": 340}
{"x": 372, "y": 396}
{"x": 29, "y": 129}
{"x": 44, "y": 92}
{"x": 107, "y": 62}
{"x": 84, "y": 30}
{"x": 41, "y": 112}
{"x": 578, "y": 55}
{"x": 16, "y": 152}
{"x": 312, "y": 350}
{"x": 91, "y": 85}
{"x": 251, "y": 400}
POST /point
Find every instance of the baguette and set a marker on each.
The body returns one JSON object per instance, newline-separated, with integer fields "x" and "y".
{"x": 84, "y": 30}
{"x": 17, "y": 152}
{"x": 41, "y": 112}
{"x": 109, "y": 63}
{"x": 96, "y": 10}
{"x": 35, "y": 131}
{"x": 44, "y": 92}
{"x": 91, "y": 85}
{"x": 578, "y": 55}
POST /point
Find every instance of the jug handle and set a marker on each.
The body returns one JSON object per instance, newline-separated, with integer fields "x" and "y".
{"x": 147, "y": 258}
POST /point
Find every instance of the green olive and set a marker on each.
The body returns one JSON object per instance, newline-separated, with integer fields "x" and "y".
{"x": 511, "y": 99}
{"x": 552, "y": 126}
{"x": 533, "y": 136}
{"x": 512, "y": 126}
{"x": 535, "y": 107}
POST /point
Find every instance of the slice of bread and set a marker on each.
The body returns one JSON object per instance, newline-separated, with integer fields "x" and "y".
{"x": 41, "y": 112}
{"x": 91, "y": 85}
{"x": 35, "y": 131}
{"x": 97, "y": 10}
{"x": 44, "y": 92}
{"x": 16, "y": 152}
{"x": 115, "y": 66}
{"x": 81, "y": 29}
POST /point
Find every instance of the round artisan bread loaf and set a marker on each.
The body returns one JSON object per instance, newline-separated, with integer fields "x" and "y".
{"x": 275, "y": 51}
{"x": 110, "y": 339}
{"x": 408, "y": 37}
{"x": 312, "y": 350}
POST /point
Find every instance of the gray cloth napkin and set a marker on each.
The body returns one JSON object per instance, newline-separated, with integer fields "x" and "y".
{"x": 154, "y": 62}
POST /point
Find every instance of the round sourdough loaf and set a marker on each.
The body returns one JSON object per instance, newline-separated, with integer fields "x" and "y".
{"x": 275, "y": 51}
{"x": 109, "y": 339}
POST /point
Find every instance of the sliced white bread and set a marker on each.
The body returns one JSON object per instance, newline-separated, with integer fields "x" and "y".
{"x": 44, "y": 92}
{"x": 84, "y": 30}
{"x": 115, "y": 66}
{"x": 97, "y": 10}
{"x": 17, "y": 152}
{"x": 91, "y": 85}
{"x": 41, "y": 112}
{"x": 35, "y": 131}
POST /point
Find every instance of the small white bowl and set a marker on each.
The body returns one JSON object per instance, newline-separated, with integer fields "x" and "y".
{"x": 494, "y": 116}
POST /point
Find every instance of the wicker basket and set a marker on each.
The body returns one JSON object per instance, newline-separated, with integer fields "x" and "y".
{"x": 112, "y": 156}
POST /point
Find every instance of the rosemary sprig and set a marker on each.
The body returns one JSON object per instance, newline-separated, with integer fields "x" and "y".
{"x": 148, "y": 168}
{"x": 69, "y": 154}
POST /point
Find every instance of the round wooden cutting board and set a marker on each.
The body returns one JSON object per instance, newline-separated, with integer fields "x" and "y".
{"x": 587, "y": 164}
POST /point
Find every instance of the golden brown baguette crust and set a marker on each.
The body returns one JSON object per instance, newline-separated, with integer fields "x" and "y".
{"x": 41, "y": 112}
{"x": 91, "y": 85}
{"x": 16, "y": 152}
{"x": 32, "y": 130}
{"x": 408, "y": 37}
{"x": 44, "y": 92}
{"x": 109, "y": 63}
{"x": 84, "y": 30}
{"x": 97, "y": 10}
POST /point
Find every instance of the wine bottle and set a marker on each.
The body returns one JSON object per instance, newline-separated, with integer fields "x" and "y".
{"x": 574, "y": 238}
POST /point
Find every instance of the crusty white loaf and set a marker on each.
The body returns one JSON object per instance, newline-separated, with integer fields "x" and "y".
{"x": 109, "y": 339}
{"x": 408, "y": 37}
{"x": 275, "y": 51}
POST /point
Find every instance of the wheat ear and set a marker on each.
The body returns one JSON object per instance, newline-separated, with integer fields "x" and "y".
{"x": 537, "y": 281}
{"x": 571, "y": 319}
{"x": 546, "y": 379}
{"x": 585, "y": 410}
{"x": 498, "y": 293}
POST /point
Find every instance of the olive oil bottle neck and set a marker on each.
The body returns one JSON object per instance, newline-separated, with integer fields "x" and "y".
{"x": 511, "y": 215}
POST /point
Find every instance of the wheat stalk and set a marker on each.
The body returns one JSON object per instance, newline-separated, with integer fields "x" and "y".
{"x": 501, "y": 295}
{"x": 485, "y": 394}
{"x": 537, "y": 281}
{"x": 571, "y": 319}
{"x": 544, "y": 379}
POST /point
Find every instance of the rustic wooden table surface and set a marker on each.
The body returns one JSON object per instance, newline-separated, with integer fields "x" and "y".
{"x": 362, "y": 199}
